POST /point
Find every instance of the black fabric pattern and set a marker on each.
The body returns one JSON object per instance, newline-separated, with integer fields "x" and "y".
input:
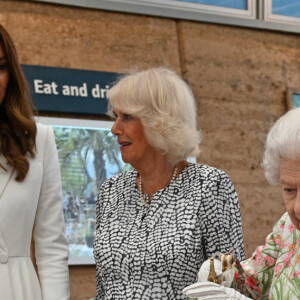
{"x": 156, "y": 255}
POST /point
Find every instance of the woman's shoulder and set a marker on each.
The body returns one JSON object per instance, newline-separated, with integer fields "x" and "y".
{"x": 44, "y": 139}
{"x": 206, "y": 172}
{"x": 119, "y": 179}
{"x": 43, "y": 129}
{"x": 44, "y": 132}
{"x": 122, "y": 176}
{"x": 116, "y": 185}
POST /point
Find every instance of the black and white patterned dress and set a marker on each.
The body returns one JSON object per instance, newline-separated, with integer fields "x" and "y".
{"x": 155, "y": 256}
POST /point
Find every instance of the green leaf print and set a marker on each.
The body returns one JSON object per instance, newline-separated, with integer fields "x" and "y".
{"x": 296, "y": 287}
{"x": 279, "y": 289}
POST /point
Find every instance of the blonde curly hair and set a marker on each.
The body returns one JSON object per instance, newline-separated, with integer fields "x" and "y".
{"x": 165, "y": 104}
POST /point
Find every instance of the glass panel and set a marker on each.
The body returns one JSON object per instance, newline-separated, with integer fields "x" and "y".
{"x": 289, "y": 8}
{"x": 237, "y": 4}
{"x": 296, "y": 100}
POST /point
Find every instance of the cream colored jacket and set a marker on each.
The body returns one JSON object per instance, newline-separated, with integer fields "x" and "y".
{"x": 33, "y": 206}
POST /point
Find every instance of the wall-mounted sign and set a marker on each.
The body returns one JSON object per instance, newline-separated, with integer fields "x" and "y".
{"x": 69, "y": 90}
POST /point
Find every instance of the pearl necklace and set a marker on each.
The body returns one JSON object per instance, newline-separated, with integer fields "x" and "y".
{"x": 140, "y": 187}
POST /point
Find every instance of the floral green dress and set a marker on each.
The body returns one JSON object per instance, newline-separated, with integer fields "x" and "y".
{"x": 273, "y": 271}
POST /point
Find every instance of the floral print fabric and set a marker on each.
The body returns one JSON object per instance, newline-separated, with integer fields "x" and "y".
{"x": 273, "y": 271}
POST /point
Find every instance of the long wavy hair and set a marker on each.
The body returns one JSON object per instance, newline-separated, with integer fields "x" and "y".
{"x": 17, "y": 126}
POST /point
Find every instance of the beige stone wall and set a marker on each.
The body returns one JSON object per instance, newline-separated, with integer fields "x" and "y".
{"x": 239, "y": 77}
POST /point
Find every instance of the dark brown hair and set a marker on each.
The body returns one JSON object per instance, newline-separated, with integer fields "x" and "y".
{"x": 17, "y": 126}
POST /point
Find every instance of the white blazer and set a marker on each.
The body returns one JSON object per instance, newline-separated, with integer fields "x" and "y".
{"x": 33, "y": 206}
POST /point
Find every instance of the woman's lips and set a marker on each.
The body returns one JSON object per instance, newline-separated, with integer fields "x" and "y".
{"x": 124, "y": 144}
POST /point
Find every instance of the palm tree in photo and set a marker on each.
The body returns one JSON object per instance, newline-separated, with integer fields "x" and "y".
{"x": 77, "y": 147}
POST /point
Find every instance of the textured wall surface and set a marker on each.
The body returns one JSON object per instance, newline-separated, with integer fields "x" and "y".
{"x": 239, "y": 77}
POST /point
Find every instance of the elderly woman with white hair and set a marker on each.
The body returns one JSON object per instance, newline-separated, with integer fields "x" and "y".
{"x": 156, "y": 224}
{"x": 273, "y": 271}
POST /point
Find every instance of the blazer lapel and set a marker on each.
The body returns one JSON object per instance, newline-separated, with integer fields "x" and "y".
{"x": 5, "y": 176}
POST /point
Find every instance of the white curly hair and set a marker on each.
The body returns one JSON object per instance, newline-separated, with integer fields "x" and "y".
{"x": 283, "y": 143}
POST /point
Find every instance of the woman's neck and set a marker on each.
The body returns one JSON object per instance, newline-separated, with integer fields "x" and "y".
{"x": 157, "y": 175}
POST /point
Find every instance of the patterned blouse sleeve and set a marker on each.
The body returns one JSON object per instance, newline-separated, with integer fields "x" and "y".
{"x": 222, "y": 224}
{"x": 99, "y": 215}
{"x": 260, "y": 267}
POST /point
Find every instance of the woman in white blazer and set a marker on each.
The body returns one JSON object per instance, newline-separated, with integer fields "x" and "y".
{"x": 30, "y": 194}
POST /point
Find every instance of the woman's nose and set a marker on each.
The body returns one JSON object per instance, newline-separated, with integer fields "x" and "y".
{"x": 117, "y": 128}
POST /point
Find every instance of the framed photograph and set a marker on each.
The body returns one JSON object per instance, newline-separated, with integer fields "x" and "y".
{"x": 293, "y": 98}
{"x": 88, "y": 154}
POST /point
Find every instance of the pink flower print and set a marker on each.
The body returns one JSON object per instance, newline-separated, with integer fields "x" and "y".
{"x": 283, "y": 245}
{"x": 292, "y": 227}
{"x": 258, "y": 257}
{"x": 251, "y": 282}
{"x": 236, "y": 275}
{"x": 278, "y": 269}
{"x": 294, "y": 274}
{"x": 287, "y": 260}
{"x": 277, "y": 239}
{"x": 258, "y": 289}
{"x": 269, "y": 261}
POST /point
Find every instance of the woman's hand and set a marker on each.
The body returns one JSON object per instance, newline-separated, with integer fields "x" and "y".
{"x": 211, "y": 291}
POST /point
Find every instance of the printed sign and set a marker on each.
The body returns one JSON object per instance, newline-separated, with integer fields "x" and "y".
{"x": 69, "y": 90}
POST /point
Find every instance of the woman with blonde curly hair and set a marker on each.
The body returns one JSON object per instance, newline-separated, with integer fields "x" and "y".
{"x": 157, "y": 223}
{"x": 30, "y": 193}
